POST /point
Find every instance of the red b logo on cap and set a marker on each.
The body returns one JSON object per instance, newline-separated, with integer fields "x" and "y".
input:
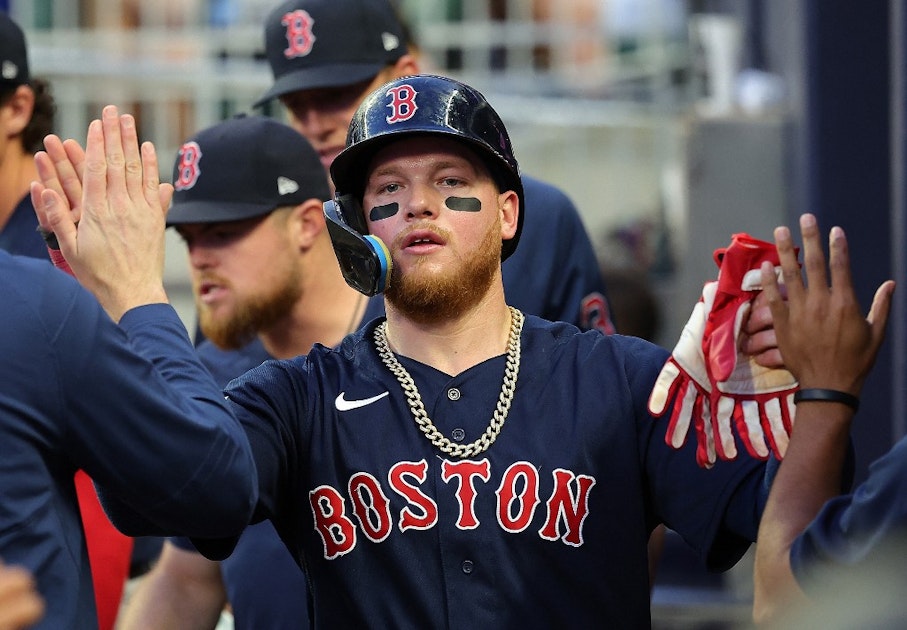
{"x": 403, "y": 103}
{"x": 187, "y": 170}
{"x": 299, "y": 33}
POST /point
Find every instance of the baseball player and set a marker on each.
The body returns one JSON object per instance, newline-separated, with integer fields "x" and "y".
{"x": 27, "y": 112}
{"x": 326, "y": 55}
{"x": 75, "y": 395}
{"x": 262, "y": 267}
{"x": 846, "y": 553}
{"x": 321, "y": 75}
{"x": 457, "y": 463}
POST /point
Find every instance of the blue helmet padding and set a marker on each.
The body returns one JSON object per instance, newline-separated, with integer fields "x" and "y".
{"x": 365, "y": 261}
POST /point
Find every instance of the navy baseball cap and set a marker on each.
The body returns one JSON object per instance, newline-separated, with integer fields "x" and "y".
{"x": 330, "y": 43}
{"x": 13, "y": 53}
{"x": 241, "y": 168}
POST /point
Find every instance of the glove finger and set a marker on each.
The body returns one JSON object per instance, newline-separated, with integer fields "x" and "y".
{"x": 788, "y": 412}
{"x": 705, "y": 441}
{"x": 773, "y": 426}
{"x": 725, "y": 445}
{"x": 664, "y": 388}
{"x": 684, "y": 407}
{"x": 749, "y": 428}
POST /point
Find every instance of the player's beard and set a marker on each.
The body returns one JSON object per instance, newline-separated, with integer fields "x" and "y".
{"x": 427, "y": 297}
{"x": 253, "y": 314}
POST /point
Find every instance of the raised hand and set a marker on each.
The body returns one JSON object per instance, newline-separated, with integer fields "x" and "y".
{"x": 113, "y": 234}
{"x": 824, "y": 338}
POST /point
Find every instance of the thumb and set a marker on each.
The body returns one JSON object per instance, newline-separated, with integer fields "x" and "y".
{"x": 878, "y": 312}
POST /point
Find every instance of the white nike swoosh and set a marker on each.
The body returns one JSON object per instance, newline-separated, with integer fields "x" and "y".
{"x": 343, "y": 404}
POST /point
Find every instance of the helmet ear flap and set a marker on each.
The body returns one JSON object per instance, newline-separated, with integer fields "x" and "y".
{"x": 364, "y": 259}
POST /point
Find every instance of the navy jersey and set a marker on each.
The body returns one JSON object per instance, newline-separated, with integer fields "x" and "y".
{"x": 20, "y": 234}
{"x": 554, "y": 273}
{"x": 547, "y": 528}
{"x": 74, "y": 394}
{"x": 265, "y": 586}
{"x": 859, "y": 534}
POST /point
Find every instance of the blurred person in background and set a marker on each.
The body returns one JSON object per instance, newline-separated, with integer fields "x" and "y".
{"x": 27, "y": 112}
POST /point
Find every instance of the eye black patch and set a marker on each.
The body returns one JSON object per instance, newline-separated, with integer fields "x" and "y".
{"x": 383, "y": 212}
{"x": 463, "y": 204}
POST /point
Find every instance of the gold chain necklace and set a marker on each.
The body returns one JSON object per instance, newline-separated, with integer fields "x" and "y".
{"x": 511, "y": 371}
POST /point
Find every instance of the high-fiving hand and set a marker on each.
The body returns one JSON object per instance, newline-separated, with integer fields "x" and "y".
{"x": 107, "y": 208}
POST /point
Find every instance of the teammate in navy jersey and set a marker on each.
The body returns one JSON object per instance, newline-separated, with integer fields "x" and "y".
{"x": 267, "y": 285}
{"x": 457, "y": 463}
{"x": 75, "y": 395}
{"x": 845, "y": 552}
{"x": 326, "y": 55}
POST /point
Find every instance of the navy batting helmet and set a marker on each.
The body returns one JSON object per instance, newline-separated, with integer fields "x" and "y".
{"x": 424, "y": 105}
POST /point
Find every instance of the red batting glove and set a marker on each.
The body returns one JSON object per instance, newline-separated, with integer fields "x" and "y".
{"x": 756, "y": 400}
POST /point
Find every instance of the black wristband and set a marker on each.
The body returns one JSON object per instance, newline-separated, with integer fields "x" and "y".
{"x": 49, "y": 237}
{"x": 827, "y": 395}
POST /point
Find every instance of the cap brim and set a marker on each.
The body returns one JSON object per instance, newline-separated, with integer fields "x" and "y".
{"x": 214, "y": 212}
{"x": 334, "y": 75}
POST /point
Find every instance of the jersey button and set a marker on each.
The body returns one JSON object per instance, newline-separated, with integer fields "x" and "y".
{"x": 467, "y": 567}
{"x": 453, "y": 393}
{"x": 458, "y": 435}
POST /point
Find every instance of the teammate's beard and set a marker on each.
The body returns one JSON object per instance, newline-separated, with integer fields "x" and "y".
{"x": 254, "y": 314}
{"x": 426, "y": 297}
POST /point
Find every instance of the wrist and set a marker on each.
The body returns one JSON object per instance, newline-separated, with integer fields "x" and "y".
{"x": 819, "y": 394}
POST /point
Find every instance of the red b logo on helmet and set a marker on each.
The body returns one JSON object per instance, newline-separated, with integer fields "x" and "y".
{"x": 187, "y": 171}
{"x": 403, "y": 103}
{"x": 299, "y": 33}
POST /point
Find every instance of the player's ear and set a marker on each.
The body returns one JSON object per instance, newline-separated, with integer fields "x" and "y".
{"x": 306, "y": 222}
{"x": 509, "y": 204}
{"x": 406, "y": 65}
{"x": 17, "y": 111}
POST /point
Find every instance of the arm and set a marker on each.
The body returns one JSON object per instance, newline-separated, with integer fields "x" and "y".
{"x": 827, "y": 344}
{"x": 184, "y": 590}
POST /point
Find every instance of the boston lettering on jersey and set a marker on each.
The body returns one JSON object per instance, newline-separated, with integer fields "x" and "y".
{"x": 516, "y": 498}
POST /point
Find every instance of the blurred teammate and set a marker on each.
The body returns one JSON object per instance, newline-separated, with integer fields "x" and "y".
{"x": 74, "y": 395}
{"x": 27, "y": 112}
{"x": 26, "y": 115}
{"x": 823, "y": 559}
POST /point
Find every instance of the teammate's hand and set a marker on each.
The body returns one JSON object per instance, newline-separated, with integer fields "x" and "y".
{"x": 20, "y": 604}
{"x": 825, "y": 340}
{"x": 114, "y": 238}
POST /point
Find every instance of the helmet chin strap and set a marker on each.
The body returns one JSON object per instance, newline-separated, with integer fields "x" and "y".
{"x": 364, "y": 259}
